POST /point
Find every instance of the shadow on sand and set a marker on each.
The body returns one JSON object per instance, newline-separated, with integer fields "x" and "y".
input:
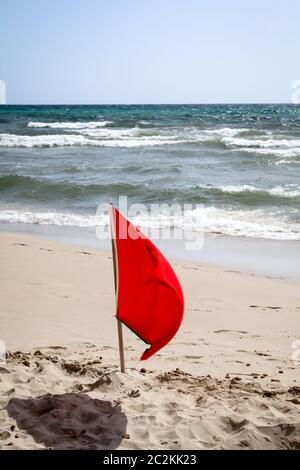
{"x": 70, "y": 421}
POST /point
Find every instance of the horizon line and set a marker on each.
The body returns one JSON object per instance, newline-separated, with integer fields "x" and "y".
{"x": 154, "y": 104}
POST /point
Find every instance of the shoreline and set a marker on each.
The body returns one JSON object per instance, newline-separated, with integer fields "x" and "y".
{"x": 263, "y": 257}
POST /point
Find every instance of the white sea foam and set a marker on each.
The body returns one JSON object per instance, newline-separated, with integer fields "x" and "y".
{"x": 69, "y": 125}
{"x": 285, "y": 161}
{"x": 186, "y": 135}
{"x": 208, "y": 219}
{"x": 261, "y": 143}
{"x": 285, "y": 192}
{"x": 11, "y": 140}
{"x": 274, "y": 152}
{"x": 242, "y": 223}
{"x": 238, "y": 188}
{"x": 226, "y": 131}
{"x": 50, "y": 218}
{"x": 288, "y": 191}
{"x": 111, "y": 133}
{"x": 96, "y": 134}
{"x": 223, "y": 132}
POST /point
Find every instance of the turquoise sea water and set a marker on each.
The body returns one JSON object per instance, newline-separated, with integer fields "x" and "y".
{"x": 240, "y": 163}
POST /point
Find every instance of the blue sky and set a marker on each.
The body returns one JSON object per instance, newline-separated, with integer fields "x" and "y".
{"x": 149, "y": 51}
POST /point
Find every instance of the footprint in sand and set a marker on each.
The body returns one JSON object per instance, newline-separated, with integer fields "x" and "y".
{"x": 59, "y": 295}
{"x": 233, "y": 271}
{"x": 239, "y": 332}
{"x": 209, "y": 310}
{"x": 265, "y": 307}
{"x": 193, "y": 268}
{"x": 231, "y": 331}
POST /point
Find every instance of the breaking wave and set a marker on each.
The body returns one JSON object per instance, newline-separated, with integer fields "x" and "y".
{"x": 65, "y": 140}
{"x": 208, "y": 219}
{"x": 289, "y": 191}
{"x": 97, "y": 134}
{"x": 267, "y": 143}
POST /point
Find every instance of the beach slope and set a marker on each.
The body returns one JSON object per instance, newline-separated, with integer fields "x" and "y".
{"x": 226, "y": 381}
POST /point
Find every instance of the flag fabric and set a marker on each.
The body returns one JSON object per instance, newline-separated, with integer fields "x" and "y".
{"x": 149, "y": 296}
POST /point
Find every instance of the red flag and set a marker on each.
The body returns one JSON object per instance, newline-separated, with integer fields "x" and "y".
{"x": 149, "y": 296}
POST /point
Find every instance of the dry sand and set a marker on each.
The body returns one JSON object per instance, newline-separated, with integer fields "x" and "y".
{"x": 226, "y": 381}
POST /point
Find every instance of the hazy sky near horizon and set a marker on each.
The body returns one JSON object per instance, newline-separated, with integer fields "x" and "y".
{"x": 156, "y": 51}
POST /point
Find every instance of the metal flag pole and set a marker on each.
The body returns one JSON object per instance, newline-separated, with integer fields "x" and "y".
{"x": 116, "y": 281}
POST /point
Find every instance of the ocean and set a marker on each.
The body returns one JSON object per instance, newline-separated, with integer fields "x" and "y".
{"x": 240, "y": 164}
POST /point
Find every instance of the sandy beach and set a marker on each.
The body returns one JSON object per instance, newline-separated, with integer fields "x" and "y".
{"x": 175, "y": 120}
{"x": 226, "y": 381}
